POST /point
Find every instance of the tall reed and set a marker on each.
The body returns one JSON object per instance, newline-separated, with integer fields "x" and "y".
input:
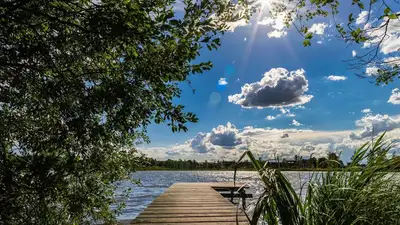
{"x": 368, "y": 194}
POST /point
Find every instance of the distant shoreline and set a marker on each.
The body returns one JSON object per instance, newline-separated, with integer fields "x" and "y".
{"x": 240, "y": 169}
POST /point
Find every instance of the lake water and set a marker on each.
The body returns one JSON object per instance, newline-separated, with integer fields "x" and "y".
{"x": 154, "y": 183}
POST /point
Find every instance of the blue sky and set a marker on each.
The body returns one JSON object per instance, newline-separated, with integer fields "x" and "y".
{"x": 246, "y": 54}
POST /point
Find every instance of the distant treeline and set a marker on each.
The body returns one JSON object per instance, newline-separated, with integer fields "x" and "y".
{"x": 332, "y": 160}
{"x": 297, "y": 163}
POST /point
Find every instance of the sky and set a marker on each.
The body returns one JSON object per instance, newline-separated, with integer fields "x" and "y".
{"x": 268, "y": 93}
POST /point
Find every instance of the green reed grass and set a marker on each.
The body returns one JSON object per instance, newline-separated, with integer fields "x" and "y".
{"x": 357, "y": 194}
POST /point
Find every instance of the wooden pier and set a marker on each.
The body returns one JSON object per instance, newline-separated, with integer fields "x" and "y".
{"x": 195, "y": 204}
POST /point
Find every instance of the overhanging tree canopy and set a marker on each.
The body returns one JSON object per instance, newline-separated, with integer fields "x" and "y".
{"x": 378, "y": 31}
{"x": 79, "y": 81}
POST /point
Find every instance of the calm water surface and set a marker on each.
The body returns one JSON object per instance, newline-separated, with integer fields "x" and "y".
{"x": 154, "y": 183}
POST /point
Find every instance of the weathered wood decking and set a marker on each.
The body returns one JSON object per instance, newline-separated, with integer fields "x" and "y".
{"x": 193, "y": 203}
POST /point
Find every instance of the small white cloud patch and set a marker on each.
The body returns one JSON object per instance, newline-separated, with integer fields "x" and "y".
{"x": 318, "y": 28}
{"x": 362, "y": 17}
{"x": 366, "y": 111}
{"x": 277, "y": 34}
{"x": 336, "y": 78}
{"x": 222, "y": 81}
{"x": 371, "y": 71}
{"x": 354, "y": 53}
{"x": 277, "y": 23}
{"x": 395, "y": 97}
{"x": 270, "y": 117}
{"x": 296, "y": 123}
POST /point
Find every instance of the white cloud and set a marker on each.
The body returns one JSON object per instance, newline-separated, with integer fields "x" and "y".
{"x": 226, "y": 142}
{"x": 354, "y": 53}
{"x": 269, "y": 117}
{"x": 222, "y": 81}
{"x": 390, "y": 35}
{"x": 265, "y": 142}
{"x": 277, "y": 88}
{"x": 296, "y": 123}
{"x": 277, "y": 23}
{"x": 266, "y": 21}
{"x": 277, "y": 34}
{"x": 371, "y": 71}
{"x": 366, "y": 111}
{"x": 245, "y": 39}
{"x": 366, "y": 45}
{"x": 392, "y": 61}
{"x": 374, "y": 124}
{"x": 395, "y": 97}
{"x": 233, "y": 25}
{"x": 225, "y": 136}
{"x": 362, "y": 17}
{"x": 318, "y": 28}
{"x": 286, "y": 112}
{"x": 336, "y": 78}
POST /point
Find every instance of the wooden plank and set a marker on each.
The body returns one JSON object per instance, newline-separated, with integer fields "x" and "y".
{"x": 206, "y": 223}
{"x": 187, "y": 211}
{"x": 185, "y": 214}
{"x": 193, "y": 203}
{"x": 218, "y": 218}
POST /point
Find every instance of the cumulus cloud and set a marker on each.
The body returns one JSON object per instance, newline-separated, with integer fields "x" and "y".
{"x": 222, "y": 81}
{"x": 296, "y": 123}
{"x": 277, "y": 34}
{"x": 318, "y": 28}
{"x": 353, "y": 53}
{"x": 374, "y": 124}
{"x": 366, "y": 111}
{"x": 277, "y": 88}
{"x": 362, "y": 17}
{"x": 266, "y": 21}
{"x": 277, "y": 23}
{"x": 265, "y": 142}
{"x": 227, "y": 142}
{"x": 225, "y": 136}
{"x": 269, "y": 117}
{"x": 392, "y": 61}
{"x": 371, "y": 71}
{"x": 395, "y": 97}
{"x": 390, "y": 35}
{"x": 284, "y": 112}
{"x": 336, "y": 78}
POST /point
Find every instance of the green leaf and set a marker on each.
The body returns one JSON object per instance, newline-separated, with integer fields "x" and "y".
{"x": 387, "y": 11}
{"x": 306, "y": 43}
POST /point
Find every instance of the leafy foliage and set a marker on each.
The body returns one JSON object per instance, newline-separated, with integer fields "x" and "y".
{"x": 355, "y": 195}
{"x": 79, "y": 82}
{"x": 373, "y": 31}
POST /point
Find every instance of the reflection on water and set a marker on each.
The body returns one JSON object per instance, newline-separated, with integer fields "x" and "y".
{"x": 154, "y": 183}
